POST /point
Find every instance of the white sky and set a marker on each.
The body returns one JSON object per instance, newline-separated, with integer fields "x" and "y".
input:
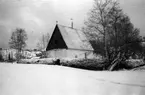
{"x": 40, "y": 16}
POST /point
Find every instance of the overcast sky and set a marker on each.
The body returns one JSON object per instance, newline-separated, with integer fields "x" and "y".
{"x": 39, "y": 16}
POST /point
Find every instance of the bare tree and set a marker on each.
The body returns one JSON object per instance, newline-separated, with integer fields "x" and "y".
{"x": 42, "y": 44}
{"x": 18, "y": 41}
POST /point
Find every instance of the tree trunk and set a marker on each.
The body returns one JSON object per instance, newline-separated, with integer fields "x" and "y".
{"x": 115, "y": 62}
{"x": 105, "y": 44}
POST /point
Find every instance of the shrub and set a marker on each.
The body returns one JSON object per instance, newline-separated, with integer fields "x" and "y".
{"x": 124, "y": 65}
{"x": 37, "y": 61}
{"x": 1, "y": 57}
{"x": 90, "y": 64}
{"x": 94, "y": 64}
{"x": 129, "y": 64}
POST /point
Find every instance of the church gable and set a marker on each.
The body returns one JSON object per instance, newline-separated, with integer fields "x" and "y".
{"x": 56, "y": 41}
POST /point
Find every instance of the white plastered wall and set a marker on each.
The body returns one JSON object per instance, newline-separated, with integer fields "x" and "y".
{"x": 69, "y": 53}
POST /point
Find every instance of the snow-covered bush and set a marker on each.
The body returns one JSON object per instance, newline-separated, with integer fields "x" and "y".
{"x": 96, "y": 64}
{"x": 47, "y": 61}
{"x": 90, "y": 64}
{"x": 135, "y": 62}
{"x": 129, "y": 64}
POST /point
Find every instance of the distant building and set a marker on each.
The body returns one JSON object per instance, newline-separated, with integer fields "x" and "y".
{"x": 67, "y": 42}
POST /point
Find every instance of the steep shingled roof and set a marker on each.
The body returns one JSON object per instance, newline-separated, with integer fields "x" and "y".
{"x": 74, "y": 38}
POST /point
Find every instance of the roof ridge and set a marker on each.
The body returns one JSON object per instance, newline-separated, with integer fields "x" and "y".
{"x": 69, "y": 27}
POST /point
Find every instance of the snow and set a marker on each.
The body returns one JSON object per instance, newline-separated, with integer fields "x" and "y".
{"x": 30, "y": 79}
{"x": 48, "y": 60}
{"x": 75, "y": 38}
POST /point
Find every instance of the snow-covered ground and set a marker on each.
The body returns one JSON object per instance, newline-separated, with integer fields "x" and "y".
{"x": 28, "y": 79}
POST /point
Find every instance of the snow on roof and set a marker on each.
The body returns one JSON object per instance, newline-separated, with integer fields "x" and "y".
{"x": 74, "y": 38}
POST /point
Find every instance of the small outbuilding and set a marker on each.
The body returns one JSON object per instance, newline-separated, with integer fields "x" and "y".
{"x": 67, "y": 42}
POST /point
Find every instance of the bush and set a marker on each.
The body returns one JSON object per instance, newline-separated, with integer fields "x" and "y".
{"x": 90, "y": 64}
{"x": 43, "y": 55}
{"x": 94, "y": 64}
{"x": 1, "y": 57}
{"x": 124, "y": 65}
{"x": 38, "y": 61}
{"x": 129, "y": 64}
